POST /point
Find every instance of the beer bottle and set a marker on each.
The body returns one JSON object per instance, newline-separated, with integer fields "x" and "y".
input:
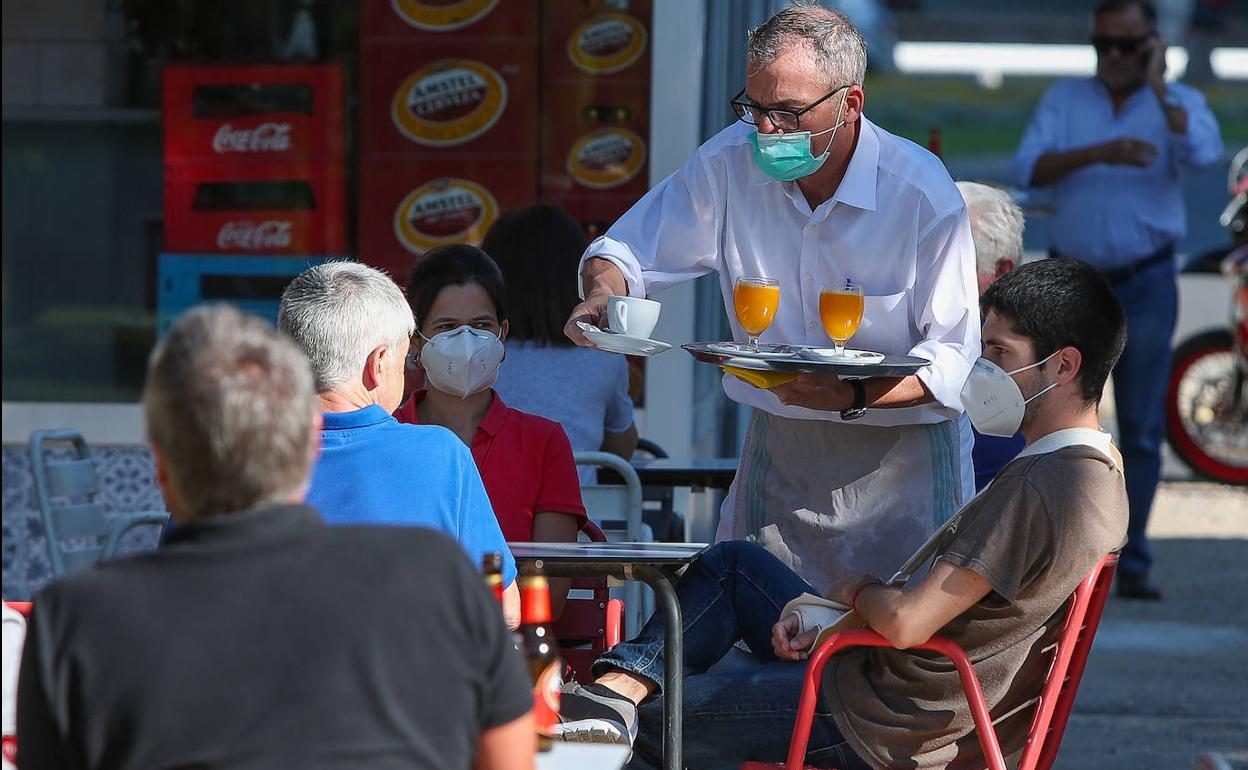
{"x": 492, "y": 567}
{"x": 933, "y": 140}
{"x": 540, "y": 651}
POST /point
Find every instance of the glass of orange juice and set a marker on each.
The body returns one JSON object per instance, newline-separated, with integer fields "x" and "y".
{"x": 840, "y": 309}
{"x": 755, "y": 300}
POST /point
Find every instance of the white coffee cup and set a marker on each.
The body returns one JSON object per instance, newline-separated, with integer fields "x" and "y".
{"x": 632, "y": 316}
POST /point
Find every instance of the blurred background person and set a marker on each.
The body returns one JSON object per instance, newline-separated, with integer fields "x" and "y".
{"x": 584, "y": 390}
{"x": 997, "y": 229}
{"x": 456, "y": 293}
{"x": 258, "y": 636}
{"x": 1113, "y": 147}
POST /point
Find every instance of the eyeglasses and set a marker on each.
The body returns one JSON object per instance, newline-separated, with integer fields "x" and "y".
{"x": 1125, "y": 45}
{"x": 785, "y": 120}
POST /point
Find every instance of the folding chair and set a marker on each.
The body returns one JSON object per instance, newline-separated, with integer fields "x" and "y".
{"x": 67, "y": 492}
{"x": 616, "y": 509}
{"x": 590, "y": 617}
{"x": 1057, "y": 696}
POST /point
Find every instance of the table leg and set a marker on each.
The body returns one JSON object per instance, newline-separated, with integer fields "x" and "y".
{"x": 673, "y": 663}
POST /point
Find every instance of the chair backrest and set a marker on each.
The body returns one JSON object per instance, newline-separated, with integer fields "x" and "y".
{"x": 613, "y": 503}
{"x": 1070, "y": 658}
{"x": 67, "y": 493}
{"x": 591, "y": 622}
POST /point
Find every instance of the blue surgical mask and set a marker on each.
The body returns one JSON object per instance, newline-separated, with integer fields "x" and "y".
{"x": 786, "y": 157}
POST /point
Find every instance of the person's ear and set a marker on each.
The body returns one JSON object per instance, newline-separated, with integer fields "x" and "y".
{"x": 375, "y": 365}
{"x": 1069, "y": 363}
{"x": 504, "y": 330}
{"x": 855, "y": 100}
{"x": 1004, "y": 265}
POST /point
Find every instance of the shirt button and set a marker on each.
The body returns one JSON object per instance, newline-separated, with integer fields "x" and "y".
{"x": 809, "y": 277}
{"x": 814, "y": 325}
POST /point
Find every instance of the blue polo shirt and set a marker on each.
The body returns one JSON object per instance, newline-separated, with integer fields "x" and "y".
{"x": 374, "y": 470}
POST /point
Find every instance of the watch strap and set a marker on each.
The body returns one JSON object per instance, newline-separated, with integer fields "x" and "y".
{"x": 860, "y": 401}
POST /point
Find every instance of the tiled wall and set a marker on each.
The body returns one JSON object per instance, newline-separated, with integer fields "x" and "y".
{"x": 129, "y": 487}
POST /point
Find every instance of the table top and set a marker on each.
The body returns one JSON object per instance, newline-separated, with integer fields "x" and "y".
{"x": 891, "y": 366}
{"x": 578, "y": 756}
{"x": 663, "y": 554}
{"x": 716, "y": 473}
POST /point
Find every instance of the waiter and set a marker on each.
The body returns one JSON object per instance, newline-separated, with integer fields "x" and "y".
{"x": 805, "y": 190}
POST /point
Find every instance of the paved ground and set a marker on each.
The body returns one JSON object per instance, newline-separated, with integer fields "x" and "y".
{"x": 1167, "y": 682}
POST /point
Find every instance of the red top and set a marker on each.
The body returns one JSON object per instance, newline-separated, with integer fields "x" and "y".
{"x": 526, "y": 464}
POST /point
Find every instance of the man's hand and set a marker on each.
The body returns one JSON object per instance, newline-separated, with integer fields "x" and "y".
{"x": 601, "y": 279}
{"x": 592, "y": 311}
{"x": 1155, "y": 71}
{"x": 825, "y": 392}
{"x": 1128, "y": 152}
{"x": 788, "y": 641}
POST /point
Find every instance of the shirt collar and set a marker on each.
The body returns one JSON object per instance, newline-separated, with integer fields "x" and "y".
{"x": 360, "y": 418}
{"x": 491, "y": 423}
{"x": 857, "y": 187}
{"x": 263, "y": 522}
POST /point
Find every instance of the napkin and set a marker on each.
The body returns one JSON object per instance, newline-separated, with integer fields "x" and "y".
{"x": 762, "y": 380}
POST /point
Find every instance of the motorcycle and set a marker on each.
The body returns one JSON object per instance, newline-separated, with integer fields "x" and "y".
{"x": 1207, "y": 402}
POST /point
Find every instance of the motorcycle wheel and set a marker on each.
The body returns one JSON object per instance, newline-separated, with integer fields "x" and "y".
{"x": 1214, "y": 446}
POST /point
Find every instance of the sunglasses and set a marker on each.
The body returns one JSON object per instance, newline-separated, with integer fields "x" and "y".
{"x": 1125, "y": 45}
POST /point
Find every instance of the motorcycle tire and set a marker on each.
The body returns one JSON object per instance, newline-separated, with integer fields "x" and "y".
{"x": 1189, "y": 449}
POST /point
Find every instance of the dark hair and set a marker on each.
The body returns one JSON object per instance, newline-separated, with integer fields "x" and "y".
{"x": 1063, "y": 302}
{"x": 538, "y": 249}
{"x": 1118, "y": 6}
{"x": 453, "y": 265}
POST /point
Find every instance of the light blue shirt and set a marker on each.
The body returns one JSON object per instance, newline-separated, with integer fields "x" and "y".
{"x": 1113, "y": 215}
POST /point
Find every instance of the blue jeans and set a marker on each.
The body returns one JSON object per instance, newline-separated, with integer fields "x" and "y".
{"x": 1150, "y": 300}
{"x": 733, "y": 591}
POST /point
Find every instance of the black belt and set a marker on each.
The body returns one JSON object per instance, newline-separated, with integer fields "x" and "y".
{"x": 1127, "y": 272}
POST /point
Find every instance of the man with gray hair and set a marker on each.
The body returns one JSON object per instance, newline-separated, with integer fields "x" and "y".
{"x": 836, "y": 476}
{"x": 354, "y": 325}
{"x": 997, "y": 227}
{"x": 256, "y": 636}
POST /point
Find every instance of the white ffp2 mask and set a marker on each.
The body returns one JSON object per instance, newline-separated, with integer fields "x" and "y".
{"x": 993, "y": 400}
{"x": 461, "y": 361}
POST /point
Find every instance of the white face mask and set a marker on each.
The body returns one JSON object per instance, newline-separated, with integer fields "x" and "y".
{"x": 993, "y": 400}
{"x": 461, "y": 361}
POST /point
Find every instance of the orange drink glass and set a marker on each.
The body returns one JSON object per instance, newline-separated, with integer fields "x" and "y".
{"x": 841, "y": 312}
{"x": 755, "y": 300}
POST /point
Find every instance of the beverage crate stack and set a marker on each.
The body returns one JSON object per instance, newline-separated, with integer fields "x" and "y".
{"x": 255, "y": 182}
{"x": 596, "y": 107}
{"x": 448, "y": 123}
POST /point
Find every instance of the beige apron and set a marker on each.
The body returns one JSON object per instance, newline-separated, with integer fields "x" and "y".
{"x": 834, "y": 499}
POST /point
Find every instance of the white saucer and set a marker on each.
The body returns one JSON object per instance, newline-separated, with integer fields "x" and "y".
{"x": 619, "y": 343}
{"x": 850, "y": 356}
{"x": 742, "y": 350}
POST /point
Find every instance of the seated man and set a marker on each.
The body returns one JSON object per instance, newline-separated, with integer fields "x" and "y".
{"x": 999, "y": 581}
{"x": 354, "y": 324}
{"x": 257, "y": 637}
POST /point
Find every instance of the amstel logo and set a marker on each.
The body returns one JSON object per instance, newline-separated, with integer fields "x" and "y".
{"x": 608, "y": 42}
{"x": 606, "y": 158}
{"x": 444, "y": 211}
{"x": 449, "y": 102}
{"x": 441, "y": 15}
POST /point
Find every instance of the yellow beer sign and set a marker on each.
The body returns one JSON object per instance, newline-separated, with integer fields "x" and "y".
{"x": 444, "y": 211}
{"x": 608, "y": 42}
{"x": 449, "y": 102}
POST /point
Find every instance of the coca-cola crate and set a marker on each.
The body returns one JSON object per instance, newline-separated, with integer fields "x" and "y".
{"x": 276, "y": 113}
{"x": 408, "y": 207}
{"x": 255, "y": 208}
{"x": 414, "y": 19}
{"x": 475, "y": 96}
{"x": 596, "y": 138}
{"x": 597, "y": 39}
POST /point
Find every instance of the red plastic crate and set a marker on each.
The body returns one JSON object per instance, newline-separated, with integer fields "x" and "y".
{"x": 592, "y": 39}
{"x": 271, "y": 113}
{"x": 596, "y": 138}
{"x": 255, "y": 208}
{"x": 423, "y": 18}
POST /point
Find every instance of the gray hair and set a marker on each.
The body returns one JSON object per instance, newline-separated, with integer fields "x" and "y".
{"x": 996, "y": 225}
{"x": 338, "y": 313}
{"x": 838, "y": 47}
{"x": 230, "y": 407}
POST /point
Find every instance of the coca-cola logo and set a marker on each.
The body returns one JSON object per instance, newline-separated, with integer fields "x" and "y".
{"x": 266, "y": 137}
{"x": 608, "y": 42}
{"x": 605, "y": 158}
{"x": 444, "y": 211}
{"x": 256, "y": 236}
{"x": 448, "y": 102}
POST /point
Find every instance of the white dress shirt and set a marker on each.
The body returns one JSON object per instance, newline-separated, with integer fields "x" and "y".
{"x": 1114, "y": 215}
{"x": 897, "y": 226}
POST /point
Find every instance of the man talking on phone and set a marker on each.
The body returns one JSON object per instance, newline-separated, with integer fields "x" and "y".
{"x": 1113, "y": 148}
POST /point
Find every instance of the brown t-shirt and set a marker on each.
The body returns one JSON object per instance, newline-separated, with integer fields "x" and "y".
{"x": 1033, "y": 535}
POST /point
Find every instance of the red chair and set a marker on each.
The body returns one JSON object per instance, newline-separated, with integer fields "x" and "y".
{"x": 1044, "y": 737}
{"x": 22, "y": 607}
{"x": 595, "y": 621}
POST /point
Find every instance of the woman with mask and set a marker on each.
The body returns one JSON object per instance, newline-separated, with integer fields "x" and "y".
{"x": 456, "y": 293}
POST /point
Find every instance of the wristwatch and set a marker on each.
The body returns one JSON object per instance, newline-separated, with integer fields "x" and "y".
{"x": 1171, "y": 102}
{"x": 860, "y": 402}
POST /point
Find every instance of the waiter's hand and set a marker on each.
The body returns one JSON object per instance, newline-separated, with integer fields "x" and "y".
{"x": 592, "y": 311}
{"x": 788, "y": 641}
{"x": 600, "y": 279}
{"x": 825, "y": 392}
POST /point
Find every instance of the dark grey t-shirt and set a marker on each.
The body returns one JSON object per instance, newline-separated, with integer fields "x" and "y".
{"x": 264, "y": 639}
{"x": 1033, "y": 535}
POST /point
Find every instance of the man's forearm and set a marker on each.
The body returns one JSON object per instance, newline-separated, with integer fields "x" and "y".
{"x": 1052, "y": 166}
{"x": 896, "y": 392}
{"x": 1176, "y": 117}
{"x": 601, "y": 277}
